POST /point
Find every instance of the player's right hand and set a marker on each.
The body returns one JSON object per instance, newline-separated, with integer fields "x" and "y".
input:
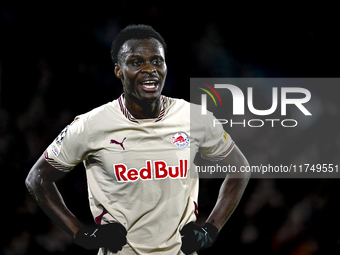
{"x": 111, "y": 236}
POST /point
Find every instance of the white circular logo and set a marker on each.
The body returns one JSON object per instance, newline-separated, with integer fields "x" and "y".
{"x": 180, "y": 140}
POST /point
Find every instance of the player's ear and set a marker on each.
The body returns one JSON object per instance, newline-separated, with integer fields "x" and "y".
{"x": 118, "y": 72}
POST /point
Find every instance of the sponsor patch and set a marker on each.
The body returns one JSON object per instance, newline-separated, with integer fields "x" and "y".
{"x": 180, "y": 140}
{"x": 225, "y": 136}
{"x": 55, "y": 149}
{"x": 153, "y": 170}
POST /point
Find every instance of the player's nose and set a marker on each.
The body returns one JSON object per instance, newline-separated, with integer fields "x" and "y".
{"x": 148, "y": 68}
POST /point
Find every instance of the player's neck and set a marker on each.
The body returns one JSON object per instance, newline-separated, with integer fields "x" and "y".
{"x": 143, "y": 110}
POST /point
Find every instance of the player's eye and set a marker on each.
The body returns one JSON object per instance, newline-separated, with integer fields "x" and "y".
{"x": 157, "y": 62}
{"x": 136, "y": 62}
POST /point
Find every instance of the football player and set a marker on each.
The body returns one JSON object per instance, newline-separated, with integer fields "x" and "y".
{"x": 138, "y": 152}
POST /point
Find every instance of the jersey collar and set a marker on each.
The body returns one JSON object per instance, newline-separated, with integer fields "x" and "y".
{"x": 128, "y": 115}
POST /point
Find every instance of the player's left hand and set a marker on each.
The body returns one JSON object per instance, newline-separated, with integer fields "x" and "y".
{"x": 195, "y": 237}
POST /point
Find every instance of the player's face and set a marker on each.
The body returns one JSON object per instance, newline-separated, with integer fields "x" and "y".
{"x": 142, "y": 69}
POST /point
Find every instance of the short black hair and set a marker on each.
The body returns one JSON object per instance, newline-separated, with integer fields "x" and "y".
{"x": 134, "y": 32}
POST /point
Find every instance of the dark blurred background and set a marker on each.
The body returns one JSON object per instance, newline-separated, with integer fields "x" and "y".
{"x": 55, "y": 64}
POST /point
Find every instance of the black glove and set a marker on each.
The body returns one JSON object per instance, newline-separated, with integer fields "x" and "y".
{"x": 111, "y": 236}
{"x": 195, "y": 237}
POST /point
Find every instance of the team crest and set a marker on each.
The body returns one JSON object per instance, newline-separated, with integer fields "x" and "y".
{"x": 180, "y": 140}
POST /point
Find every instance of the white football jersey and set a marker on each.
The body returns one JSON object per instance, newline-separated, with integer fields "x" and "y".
{"x": 140, "y": 172}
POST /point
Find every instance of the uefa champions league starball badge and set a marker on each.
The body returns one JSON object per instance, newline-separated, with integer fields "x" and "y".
{"x": 180, "y": 140}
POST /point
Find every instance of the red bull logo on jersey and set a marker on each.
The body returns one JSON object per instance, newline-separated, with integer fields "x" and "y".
{"x": 154, "y": 170}
{"x": 180, "y": 140}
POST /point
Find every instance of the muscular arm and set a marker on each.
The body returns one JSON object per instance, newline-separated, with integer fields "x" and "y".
{"x": 231, "y": 190}
{"x": 41, "y": 184}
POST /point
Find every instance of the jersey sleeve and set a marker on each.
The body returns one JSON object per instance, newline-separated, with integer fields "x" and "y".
{"x": 70, "y": 147}
{"x": 217, "y": 143}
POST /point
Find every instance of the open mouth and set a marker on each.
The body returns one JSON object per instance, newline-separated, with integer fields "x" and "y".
{"x": 149, "y": 86}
